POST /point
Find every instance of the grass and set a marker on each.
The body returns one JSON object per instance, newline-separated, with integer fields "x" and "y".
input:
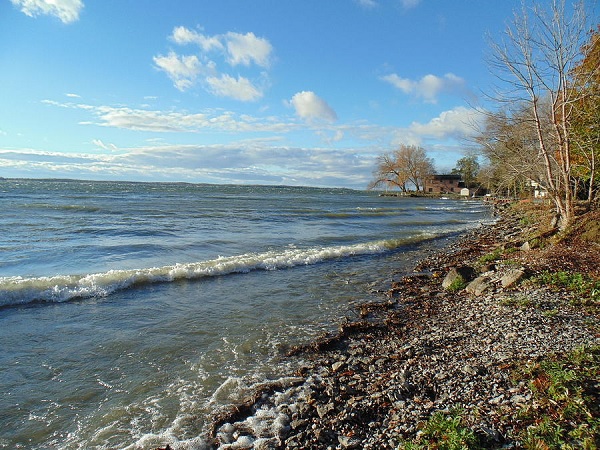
{"x": 458, "y": 284}
{"x": 444, "y": 431}
{"x": 490, "y": 257}
{"x": 565, "y": 413}
{"x": 586, "y": 291}
{"x": 517, "y": 301}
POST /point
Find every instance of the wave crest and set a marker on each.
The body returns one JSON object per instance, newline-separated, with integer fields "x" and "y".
{"x": 61, "y": 288}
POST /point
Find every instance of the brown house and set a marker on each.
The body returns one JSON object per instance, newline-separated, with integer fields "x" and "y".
{"x": 443, "y": 184}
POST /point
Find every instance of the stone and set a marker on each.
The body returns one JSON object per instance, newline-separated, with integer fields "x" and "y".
{"x": 347, "y": 442}
{"x": 512, "y": 277}
{"x": 478, "y": 286}
{"x": 337, "y": 365}
{"x": 519, "y": 399}
{"x": 323, "y": 410}
{"x": 469, "y": 370}
{"x": 465, "y": 272}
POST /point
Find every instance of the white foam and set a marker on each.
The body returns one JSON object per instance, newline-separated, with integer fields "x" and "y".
{"x": 61, "y": 288}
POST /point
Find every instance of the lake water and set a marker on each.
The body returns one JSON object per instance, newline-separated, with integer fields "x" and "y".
{"x": 129, "y": 312}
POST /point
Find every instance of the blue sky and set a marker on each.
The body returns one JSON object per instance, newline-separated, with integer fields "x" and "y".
{"x": 234, "y": 91}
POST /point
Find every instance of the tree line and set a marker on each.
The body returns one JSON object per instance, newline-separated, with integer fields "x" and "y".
{"x": 543, "y": 126}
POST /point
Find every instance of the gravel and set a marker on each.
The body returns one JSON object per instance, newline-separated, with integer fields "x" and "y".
{"x": 421, "y": 350}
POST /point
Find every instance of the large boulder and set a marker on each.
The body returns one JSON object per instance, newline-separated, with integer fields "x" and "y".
{"x": 465, "y": 273}
{"x": 479, "y": 285}
{"x": 512, "y": 277}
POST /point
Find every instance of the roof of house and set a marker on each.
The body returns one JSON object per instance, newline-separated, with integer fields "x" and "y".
{"x": 446, "y": 177}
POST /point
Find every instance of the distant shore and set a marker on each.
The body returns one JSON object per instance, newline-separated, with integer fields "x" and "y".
{"x": 427, "y": 351}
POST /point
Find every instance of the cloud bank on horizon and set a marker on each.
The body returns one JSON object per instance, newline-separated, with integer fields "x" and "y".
{"x": 284, "y": 96}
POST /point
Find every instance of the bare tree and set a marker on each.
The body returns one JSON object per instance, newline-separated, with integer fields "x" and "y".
{"x": 389, "y": 173}
{"x": 509, "y": 143}
{"x": 541, "y": 48}
{"x": 408, "y": 165}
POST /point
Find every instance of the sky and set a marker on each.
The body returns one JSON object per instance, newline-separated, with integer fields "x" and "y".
{"x": 284, "y": 92}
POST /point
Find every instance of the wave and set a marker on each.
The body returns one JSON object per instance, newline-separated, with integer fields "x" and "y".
{"x": 61, "y": 288}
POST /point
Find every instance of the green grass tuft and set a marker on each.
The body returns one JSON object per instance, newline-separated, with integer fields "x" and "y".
{"x": 457, "y": 285}
{"x": 567, "y": 410}
{"x": 444, "y": 431}
{"x": 586, "y": 290}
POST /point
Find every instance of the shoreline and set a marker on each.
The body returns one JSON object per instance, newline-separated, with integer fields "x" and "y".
{"x": 423, "y": 349}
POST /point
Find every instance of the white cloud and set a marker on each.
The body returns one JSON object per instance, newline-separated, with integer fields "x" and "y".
{"x": 455, "y": 123}
{"x": 246, "y": 49}
{"x": 182, "y": 35}
{"x": 183, "y": 70}
{"x": 232, "y": 49}
{"x": 66, "y": 10}
{"x": 309, "y": 106}
{"x": 428, "y": 87}
{"x": 444, "y": 131}
{"x": 238, "y": 89}
{"x": 242, "y": 162}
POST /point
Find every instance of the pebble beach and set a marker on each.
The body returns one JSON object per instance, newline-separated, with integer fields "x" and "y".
{"x": 425, "y": 348}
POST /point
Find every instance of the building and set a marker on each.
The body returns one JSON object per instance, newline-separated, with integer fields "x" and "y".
{"x": 539, "y": 191}
{"x": 443, "y": 184}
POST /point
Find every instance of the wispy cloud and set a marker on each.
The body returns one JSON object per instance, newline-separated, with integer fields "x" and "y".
{"x": 408, "y": 4}
{"x": 213, "y": 52}
{"x": 428, "y": 88}
{"x": 103, "y": 146}
{"x": 171, "y": 121}
{"x": 367, "y": 3}
{"x": 239, "y": 88}
{"x": 317, "y": 115}
{"x": 66, "y": 10}
{"x": 244, "y": 162}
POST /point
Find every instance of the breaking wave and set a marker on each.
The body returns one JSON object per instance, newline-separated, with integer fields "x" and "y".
{"x": 61, "y": 288}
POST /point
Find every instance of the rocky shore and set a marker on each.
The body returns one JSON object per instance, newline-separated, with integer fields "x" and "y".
{"x": 445, "y": 338}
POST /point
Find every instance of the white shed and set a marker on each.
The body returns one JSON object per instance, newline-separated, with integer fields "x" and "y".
{"x": 464, "y": 192}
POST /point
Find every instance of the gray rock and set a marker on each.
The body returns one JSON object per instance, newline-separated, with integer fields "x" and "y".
{"x": 520, "y": 399}
{"x": 337, "y": 365}
{"x": 347, "y": 442}
{"x": 465, "y": 272}
{"x": 512, "y": 277}
{"x": 479, "y": 286}
{"x": 323, "y": 410}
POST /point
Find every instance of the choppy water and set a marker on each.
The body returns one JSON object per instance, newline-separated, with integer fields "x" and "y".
{"x": 131, "y": 311}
